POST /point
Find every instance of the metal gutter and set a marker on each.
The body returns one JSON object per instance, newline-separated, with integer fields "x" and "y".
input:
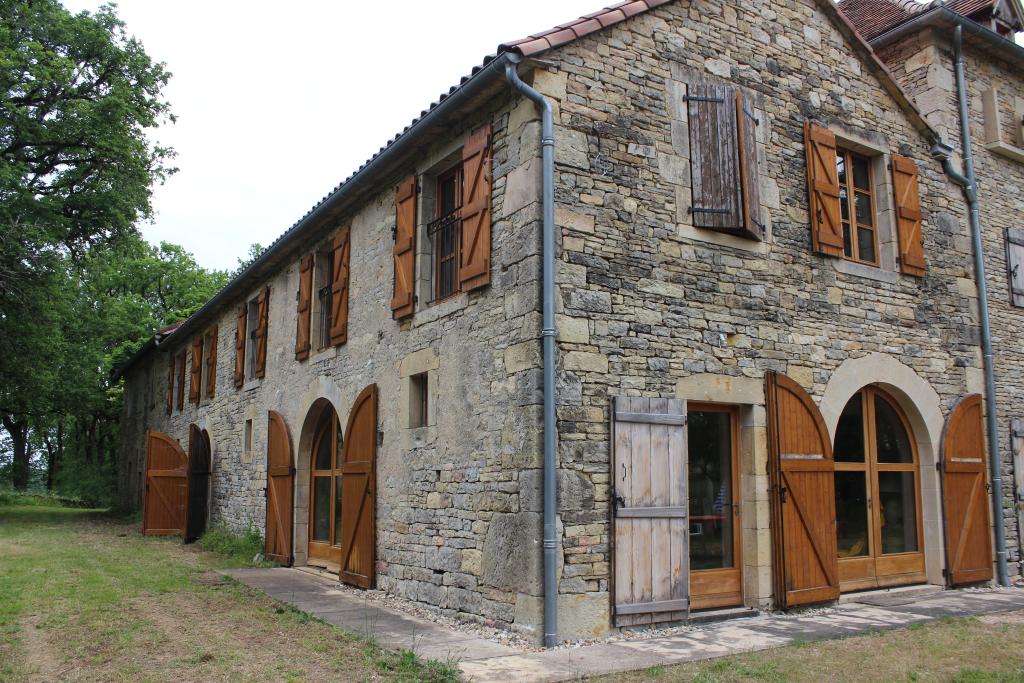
{"x": 548, "y": 335}
{"x": 933, "y": 17}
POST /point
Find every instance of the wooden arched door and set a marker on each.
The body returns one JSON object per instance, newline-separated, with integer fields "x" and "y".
{"x": 801, "y": 470}
{"x": 166, "y": 491}
{"x": 280, "y": 485}
{"x": 325, "y": 489}
{"x": 359, "y": 492}
{"x": 198, "y": 482}
{"x": 965, "y": 494}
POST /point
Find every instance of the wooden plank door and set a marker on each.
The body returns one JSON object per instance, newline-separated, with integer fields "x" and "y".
{"x": 649, "y": 510}
{"x": 802, "y": 473}
{"x": 1017, "y": 448}
{"x": 965, "y": 494}
{"x": 280, "y": 486}
{"x": 166, "y": 491}
{"x": 358, "y": 492}
{"x": 198, "y": 483}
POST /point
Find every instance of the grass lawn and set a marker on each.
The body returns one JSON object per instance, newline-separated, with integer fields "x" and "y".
{"x": 85, "y": 597}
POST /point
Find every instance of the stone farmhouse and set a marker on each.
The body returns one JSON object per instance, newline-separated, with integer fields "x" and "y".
{"x": 670, "y": 308}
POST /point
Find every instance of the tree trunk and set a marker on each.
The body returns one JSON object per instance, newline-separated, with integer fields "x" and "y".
{"x": 19, "y": 439}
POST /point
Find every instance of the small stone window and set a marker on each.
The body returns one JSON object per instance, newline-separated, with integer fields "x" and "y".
{"x": 419, "y": 400}
{"x": 247, "y": 443}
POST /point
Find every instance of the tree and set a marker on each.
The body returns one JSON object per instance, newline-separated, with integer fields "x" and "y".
{"x": 255, "y": 250}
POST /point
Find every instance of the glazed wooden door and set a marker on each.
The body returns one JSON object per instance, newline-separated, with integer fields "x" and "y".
{"x": 359, "y": 488}
{"x": 325, "y": 489}
{"x": 802, "y": 497}
{"x": 166, "y": 491}
{"x": 198, "y": 483}
{"x": 280, "y": 485}
{"x": 965, "y": 494}
{"x": 649, "y": 509}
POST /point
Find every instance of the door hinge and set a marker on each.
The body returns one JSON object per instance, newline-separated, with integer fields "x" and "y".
{"x": 700, "y": 98}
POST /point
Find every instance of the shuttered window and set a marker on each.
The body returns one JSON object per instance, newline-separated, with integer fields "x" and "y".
{"x": 211, "y": 362}
{"x": 908, "y": 216}
{"x": 196, "y": 372}
{"x": 823, "y": 190}
{"x": 170, "y": 385}
{"x": 241, "y": 327}
{"x": 305, "y": 308}
{"x": 1015, "y": 264}
{"x": 340, "y": 255}
{"x": 723, "y": 160}
{"x": 405, "y": 248}
{"x": 263, "y": 322}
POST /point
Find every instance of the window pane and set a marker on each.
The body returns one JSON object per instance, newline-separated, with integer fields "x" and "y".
{"x": 893, "y": 442}
{"x": 338, "y": 450}
{"x": 841, "y": 168}
{"x": 861, "y": 174}
{"x": 866, "y": 244}
{"x": 851, "y": 514}
{"x": 899, "y": 512}
{"x": 321, "y": 509}
{"x": 850, "y": 432}
{"x": 710, "y": 480}
{"x": 863, "y": 208}
{"x": 323, "y": 451}
{"x": 844, "y": 202}
{"x": 847, "y": 240}
{"x": 337, "y": 511}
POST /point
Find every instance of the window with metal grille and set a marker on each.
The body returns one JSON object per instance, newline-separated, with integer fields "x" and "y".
{"x": 445, "y": 233}
{"x": 324, "y": 273}
{"x": 251, "y": 323}
{"x": 857, "y": 203}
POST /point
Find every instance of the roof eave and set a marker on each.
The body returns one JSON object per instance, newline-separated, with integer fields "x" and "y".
{"x": 943, "y": 17}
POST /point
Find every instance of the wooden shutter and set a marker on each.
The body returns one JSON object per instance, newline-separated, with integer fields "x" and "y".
{"x": 908, "y": 216}
{"x": 198, "y": 483}
{"x": 823, "y": 190}
{"x": 339, "y": 286}
{"x": 170, "y": 384}
{"x": 802, "y": 475}
{"x": 240, "y": 327}
{"x": 750, "y": 181}
{"x": 1017, "y": 450}
{"x": 280, "y": 484}
{"x": 402, "y": 301}
{"x": 262, "y": 322}
{"x": 965, "y": 495}
{"x": 475, "y": 259}
{"x": 181, "y": 381}
{"x": 650, "y": 510}
{"x": 305, "y": 308}
{"x": 1015, "y": 264}
{"x": 714, "y": 157}
{"x": 359, "y": 486}
{"x": 166, "y": 491}
{"x": 196, "y": 371}
{"x": 211, "y": 364}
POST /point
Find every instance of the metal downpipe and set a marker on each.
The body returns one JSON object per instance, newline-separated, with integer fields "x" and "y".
{"x": 548, "y": 334}
{"x": 969, "y": 184}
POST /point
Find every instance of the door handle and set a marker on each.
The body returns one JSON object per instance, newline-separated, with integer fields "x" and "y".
{"x": 782, "y": 494}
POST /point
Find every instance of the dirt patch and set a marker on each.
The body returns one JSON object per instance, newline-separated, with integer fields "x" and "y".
{"x": 41, "y": 666}
{"x": 1003, "y": 618}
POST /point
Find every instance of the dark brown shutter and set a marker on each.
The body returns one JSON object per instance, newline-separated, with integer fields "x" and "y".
{"x": 823, "y": 190}
{"x": 196, "y": 371}
{"x": 240, "y": 327}
{"x": 170, "y": 384}
{"x": 305, "y": 308}
{"x": 750, "y": 182}
{"x": 908, "y": 216}
{"x": 714, "y": 157}
{"x": 339, "y": 286}
{"x": 211, "y": 365}
{"x": 964, "y": 494}
{"x": 803, "y": 503}
{"x": 262, "y": 323}
{"x": 280, "y": 483}
{"x": 1015, "y": 264}
{"x": 359, "y": 486}
{"x": 405, "y": 248}
{"x": 181, "y": 381}
{"x": 475, "y": 260}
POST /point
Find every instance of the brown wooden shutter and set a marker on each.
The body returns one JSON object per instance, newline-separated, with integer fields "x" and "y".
{"x": 305, "y": 308}
{"x": 803, "y": 501}
{"x": 240, "y": 327}
{"x": 1015, "y": 264}
{"x": 714, "y": 157}
{"x": 339, "y": 286}
{"x": 280, "y": 483}
{"x": 823, "y": 190}
{"x": 402, "y": 302}
{"x": 750, "y": 181}
{"x": 170, "y": 384}
{"x": 262, "y": 323}
{"x": 196, "y": 373}
{"x": 908, "y": 216}
{"x": 359, "y": 487}
{"x": 166, "y": 492}
{"x": 964, "y": 494}
{"x": 211, "y": 364}
{"x": 181, "y": 381}
{"x": 475, "y": 260}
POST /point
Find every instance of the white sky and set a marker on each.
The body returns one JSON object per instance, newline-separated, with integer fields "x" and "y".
{"x": 266, "y": 96}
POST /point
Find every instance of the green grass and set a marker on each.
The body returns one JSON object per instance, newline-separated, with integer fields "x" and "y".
{"x": 85, "y": 597}
{"x": 237, "y": 549}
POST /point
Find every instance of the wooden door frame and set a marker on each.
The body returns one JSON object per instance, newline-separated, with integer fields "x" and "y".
{"x": 329, "y": 555}
{"x": 709, "y": 576}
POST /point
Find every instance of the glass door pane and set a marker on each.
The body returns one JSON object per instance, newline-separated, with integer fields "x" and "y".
{"x": 897, "y": 496}
{"x": 337, "y": 511}
{"x": 711, "y": 491}
{"x": 852, "y": 514}
{"x": 321, "y": 509}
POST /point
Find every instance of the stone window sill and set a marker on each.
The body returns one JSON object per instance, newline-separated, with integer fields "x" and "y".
{"x": 690, "y": 232}
{"x": 1005, "y": 150}
{"x": 252, "y": 384}
{"x": 434, "y": 312}
{"x": 324, "y": 354}
{"x": 867, "y": 272}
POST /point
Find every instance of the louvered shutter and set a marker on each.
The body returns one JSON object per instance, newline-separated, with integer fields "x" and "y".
{"x": 1015, "y": 264}
{"x": 181, "y": 381}
{"x": 405, "y": 248}
{"x": 475, "y": 259}
{"x": 908, "y": 216}
{"x": 211, "y": 365}
{"x": 714, "y": 157}
{"x": 196, "y": 374}
{"x": 170, "y": 385}
{"x": 240, "y": 326}
{"x": 339, "y": 286}
{"x": 305, "y": 308}
{"x": 823, "y": 190}
{"x": 263, "y": 322}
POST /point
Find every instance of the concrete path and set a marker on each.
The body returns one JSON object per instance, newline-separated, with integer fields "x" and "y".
{"x": 484, "y": 661}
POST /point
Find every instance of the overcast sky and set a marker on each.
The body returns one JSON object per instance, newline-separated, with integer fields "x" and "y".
{"x": 279, "y": 102}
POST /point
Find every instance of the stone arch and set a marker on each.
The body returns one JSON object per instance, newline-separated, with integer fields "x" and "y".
{"x": 921, "y": 404}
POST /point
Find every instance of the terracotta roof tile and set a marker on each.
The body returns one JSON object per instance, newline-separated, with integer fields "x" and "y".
{"x": 872, "y": 18}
